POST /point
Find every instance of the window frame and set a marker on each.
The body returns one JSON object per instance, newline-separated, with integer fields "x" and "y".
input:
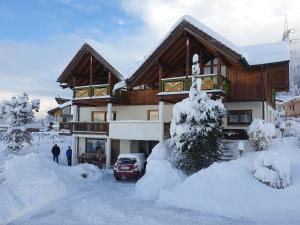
{"x": 95, "y": 139}
{"x": 239, "y": 113}
{"x": 114, "y": 116}
{"x": 152, "y": 110}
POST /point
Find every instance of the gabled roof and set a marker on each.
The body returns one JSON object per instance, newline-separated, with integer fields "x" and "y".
{"x": 250, "y": 55}
{"x": 93, "y": 49}
{"x": 50, "y": 111}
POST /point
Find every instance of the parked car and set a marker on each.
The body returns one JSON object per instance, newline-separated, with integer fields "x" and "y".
{"x": 130, "y": 166}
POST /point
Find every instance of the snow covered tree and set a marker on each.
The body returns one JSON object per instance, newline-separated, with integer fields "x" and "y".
{"x": 260, "y": 134}
{"x": 196, "y": 127}
{"x": 19, "y": 113}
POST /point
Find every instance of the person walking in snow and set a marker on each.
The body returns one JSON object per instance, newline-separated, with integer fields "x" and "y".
{"x": 99, "y": 157}
{"x": 69, "y": 156}
{"x": 55, "y": 152}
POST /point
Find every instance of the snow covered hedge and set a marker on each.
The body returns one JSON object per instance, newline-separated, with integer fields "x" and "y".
{"x": 273, "y": 170}
{"x": 260, "y": 134}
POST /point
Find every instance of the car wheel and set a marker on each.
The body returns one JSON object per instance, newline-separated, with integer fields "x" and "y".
{"x": 117, "y": 178}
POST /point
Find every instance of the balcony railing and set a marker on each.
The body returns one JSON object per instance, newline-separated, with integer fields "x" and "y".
{"x": 91, "y": 91}
{"x": 210, "y": 82}
{"x": 84, "y": 127}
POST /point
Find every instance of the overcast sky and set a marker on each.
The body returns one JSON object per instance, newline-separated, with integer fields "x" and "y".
{"x": 39, "y": 37}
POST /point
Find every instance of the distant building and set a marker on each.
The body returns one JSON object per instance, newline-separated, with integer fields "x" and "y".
{"x": 292, "y": 107}
{"x": 63, "y": 112}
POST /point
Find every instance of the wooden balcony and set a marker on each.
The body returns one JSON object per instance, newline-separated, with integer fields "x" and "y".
{"x": 91, "y": 91}
{"x": 210, "y": 83}
{"x": 84, "y": 127}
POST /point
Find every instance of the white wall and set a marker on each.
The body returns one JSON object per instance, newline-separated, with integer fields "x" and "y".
{"x": 133, "y": 112}
{"x": 134, "y": 130}
{"x": 81, "y": 145}
{"x": 256, "y": 108}
{"x": 124, "y": 146}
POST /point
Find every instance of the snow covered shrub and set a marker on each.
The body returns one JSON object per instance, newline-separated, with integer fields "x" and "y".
{"x": 292, "y": 129}
{"x": 260, "y": 134}
{"x": 19, "y": 114}
{"x": 196, "y": 129}
{"x": 273, "y": 170}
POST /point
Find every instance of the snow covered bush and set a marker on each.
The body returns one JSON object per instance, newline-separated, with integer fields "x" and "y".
{"x": 292, "y": 129}
{"x": 160, "y": 174}
{"x": 260, "y": 134}
{"x": 196, "y": 128}
{"x": 19, "y": 114}
{"x": 273, "y": 170}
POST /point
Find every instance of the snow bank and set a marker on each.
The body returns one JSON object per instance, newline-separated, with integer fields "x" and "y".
{"x": 229, "y": 189}
{"x": 160, "y": 174}
{"x": 272, "y": 169}
{"x": 31, "y": 180}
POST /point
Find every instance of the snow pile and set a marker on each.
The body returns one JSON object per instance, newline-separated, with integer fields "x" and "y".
{"x": 229, "y": 189}
{"x": 31, "y": 180}
{"x": 273, "y": 170}
{"x": 260, "y": 134}
{"x": 160, "y": 174}
{"x": 86, "y": 171}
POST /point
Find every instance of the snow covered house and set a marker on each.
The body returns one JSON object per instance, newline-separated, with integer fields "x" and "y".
{"x": 291, "y": 107}
{"x": 63, "y": 112}
{"x": 133, "y": 114}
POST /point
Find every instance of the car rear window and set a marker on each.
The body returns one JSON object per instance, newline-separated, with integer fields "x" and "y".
{"x": 126, "y": 161}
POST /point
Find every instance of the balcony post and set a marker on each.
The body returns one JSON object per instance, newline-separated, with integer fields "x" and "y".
{"x": 161, "y": 120}
{"x": 109, "y": 112}
{"x": 108, "y": 152}
{"x": 75, "y": 113}
{"x": 74, "y": 150}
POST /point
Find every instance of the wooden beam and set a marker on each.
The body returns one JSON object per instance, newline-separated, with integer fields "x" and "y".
{"x": 187, "y": 56}
{"x": 187, "y": 60}
{"x": 91, "y": 70}
{"x": 201, "y": 60}
{"x": 160, "y": 75}
{"x": 110, "y": 83}
{"x": 219, "y": 70}
{"x": 83, "y": 65}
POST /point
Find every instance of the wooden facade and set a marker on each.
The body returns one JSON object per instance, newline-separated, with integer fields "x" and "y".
{"x": 166, "y": 73}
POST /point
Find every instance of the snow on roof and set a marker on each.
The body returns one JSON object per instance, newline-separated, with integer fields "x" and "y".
{"x": 294, "y": 98}
{"x": 208, "y": 31}
{"x": 253, "y": 54}
{"x": 119, "y": 85}
{"x": 68, "y": 103}
{"x": 267, "y": 53}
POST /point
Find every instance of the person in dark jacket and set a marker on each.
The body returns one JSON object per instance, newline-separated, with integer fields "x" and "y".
{"x": 69, "y": 156}
{"x": 55, "y": 152}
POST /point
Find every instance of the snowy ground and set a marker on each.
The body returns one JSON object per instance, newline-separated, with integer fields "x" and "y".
{"x": 35, "y": 190}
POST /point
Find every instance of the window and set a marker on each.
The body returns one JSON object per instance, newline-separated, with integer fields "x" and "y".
{"x": 92, "y": 144}
{"x": 153, "y": 115}
{"x": 100, "y": 116}
{"x": 242, "y": 117}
